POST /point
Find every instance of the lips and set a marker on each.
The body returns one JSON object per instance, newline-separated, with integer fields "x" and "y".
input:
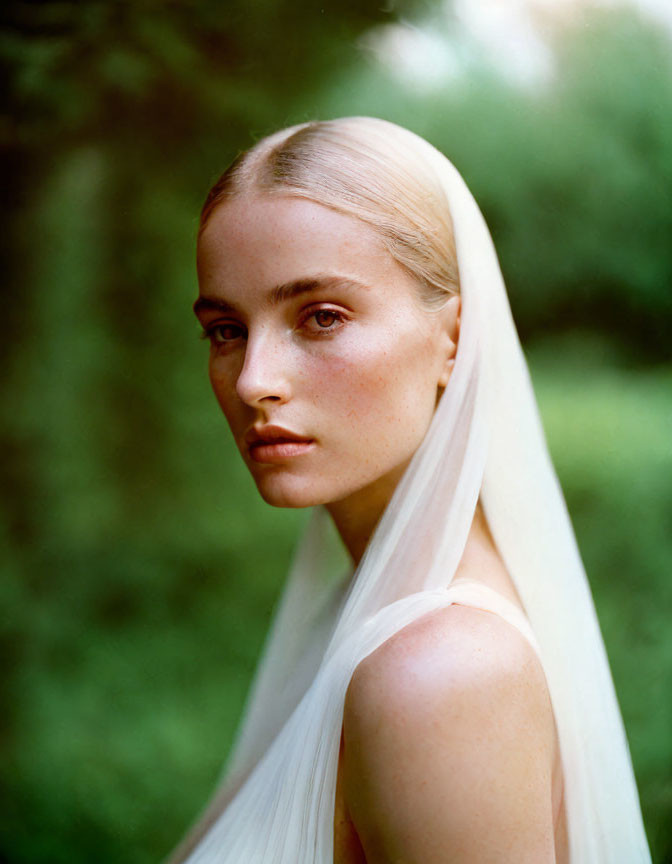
{"x": 272, "y": 444}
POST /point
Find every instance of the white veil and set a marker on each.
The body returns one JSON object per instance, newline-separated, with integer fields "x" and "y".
{"x": 485, "y": 439}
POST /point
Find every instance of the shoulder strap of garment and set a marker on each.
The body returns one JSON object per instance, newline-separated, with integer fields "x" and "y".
{"x": 469, "y": 592}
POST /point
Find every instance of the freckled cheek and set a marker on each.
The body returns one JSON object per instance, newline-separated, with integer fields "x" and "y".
{"x": 356, "y": 386}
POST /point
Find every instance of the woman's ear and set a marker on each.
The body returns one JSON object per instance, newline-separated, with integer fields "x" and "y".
{"x": 451, "y": 331}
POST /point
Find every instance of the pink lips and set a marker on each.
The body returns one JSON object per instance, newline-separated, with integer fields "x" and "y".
{"x": 274, "y": 444}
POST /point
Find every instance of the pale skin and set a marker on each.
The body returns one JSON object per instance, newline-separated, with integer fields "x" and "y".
{"x": 449, "y": 751}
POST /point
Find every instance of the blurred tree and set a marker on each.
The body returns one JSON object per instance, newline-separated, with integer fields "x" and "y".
{"x": 596, "y": 189}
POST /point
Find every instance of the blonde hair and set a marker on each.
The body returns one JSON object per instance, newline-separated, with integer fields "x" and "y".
{"x": 361, "y": 167}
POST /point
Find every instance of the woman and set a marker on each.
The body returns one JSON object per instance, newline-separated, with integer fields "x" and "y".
{"x": 450, "y": 699}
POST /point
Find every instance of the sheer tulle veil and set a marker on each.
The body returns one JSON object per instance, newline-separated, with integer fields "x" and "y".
{"x": 485, "y": 440}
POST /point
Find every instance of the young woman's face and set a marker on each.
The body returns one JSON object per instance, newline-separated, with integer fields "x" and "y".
{"x": 322, "y": 358}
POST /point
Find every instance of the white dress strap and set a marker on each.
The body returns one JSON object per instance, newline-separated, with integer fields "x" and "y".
{"x": 469, "y": 592}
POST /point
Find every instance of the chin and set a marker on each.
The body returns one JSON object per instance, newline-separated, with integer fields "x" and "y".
{"x": 292, "y": 492}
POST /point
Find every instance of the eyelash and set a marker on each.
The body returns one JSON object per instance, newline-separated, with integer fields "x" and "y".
{"x": 338, "y": 316}
{"x": 209, "y": 333}
{"x": 339, "y": 320}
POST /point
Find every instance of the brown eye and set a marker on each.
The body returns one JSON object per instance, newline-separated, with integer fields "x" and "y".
{"x": 325, "y": 318}
{"x": 322, "y": 322}
{"x": 222, "y": 333}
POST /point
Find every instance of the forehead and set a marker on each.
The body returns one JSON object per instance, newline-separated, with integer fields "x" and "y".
{"x": 261, "y": 241}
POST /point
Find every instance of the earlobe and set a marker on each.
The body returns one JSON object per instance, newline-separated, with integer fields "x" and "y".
{"x": 444, "y": 378}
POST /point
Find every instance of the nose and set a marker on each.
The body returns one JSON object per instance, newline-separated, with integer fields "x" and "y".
{"x": 263, "y": 377}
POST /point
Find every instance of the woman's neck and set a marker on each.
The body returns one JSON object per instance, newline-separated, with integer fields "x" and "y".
{"x": 356, "y": 516}
{"x": 481, "y": 561}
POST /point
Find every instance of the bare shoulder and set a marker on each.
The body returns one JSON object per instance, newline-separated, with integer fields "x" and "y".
{"x": 454, "y": 652}
{"x": 447, "y": 727}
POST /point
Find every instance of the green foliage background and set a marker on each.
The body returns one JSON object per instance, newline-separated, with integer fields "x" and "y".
{"x": 139, "y": 568}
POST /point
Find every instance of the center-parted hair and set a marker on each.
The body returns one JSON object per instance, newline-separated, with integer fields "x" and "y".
{"x": 357, "y": 166}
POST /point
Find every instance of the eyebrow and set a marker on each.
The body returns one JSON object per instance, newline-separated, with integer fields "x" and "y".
{"x": 282, "y": 293}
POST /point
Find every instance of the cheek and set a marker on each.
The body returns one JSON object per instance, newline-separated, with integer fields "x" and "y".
{"x": 222, "y": 381}
{"x": 374, "y": 391}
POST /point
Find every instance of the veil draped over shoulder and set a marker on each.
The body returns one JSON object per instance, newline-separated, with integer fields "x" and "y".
{"x": 485, "y": 440}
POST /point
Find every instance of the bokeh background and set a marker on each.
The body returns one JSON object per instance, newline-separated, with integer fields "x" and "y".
{"x": 139, "y": 568}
